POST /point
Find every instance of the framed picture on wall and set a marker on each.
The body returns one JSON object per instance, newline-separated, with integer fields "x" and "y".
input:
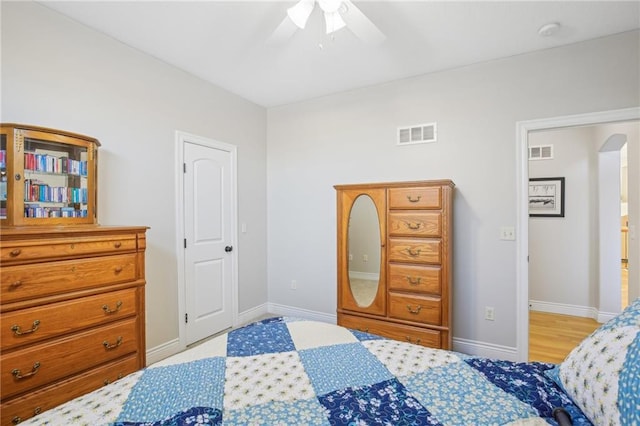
{"x": 546, "y": 197}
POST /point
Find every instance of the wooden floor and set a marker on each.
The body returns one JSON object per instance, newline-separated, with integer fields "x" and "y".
{"x": 553, "y": 336}
{"x": 625, "y": 287}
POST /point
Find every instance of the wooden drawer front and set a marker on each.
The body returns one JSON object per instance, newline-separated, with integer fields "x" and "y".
{"x": 28, "y": 281}
{"x": 22, "y": 408}
{"x": 43, "y": 363}
{"x": 59, "y": 318}
{"x": 423, "y": 279}
{"x": 415, "y": 198}
{"x": 32, "y": 250}
{"x": 405, "y": 333}
{"x": 422, "y": 309}
{"x": 414, "y": 250}
{"x": 420, "y": 224}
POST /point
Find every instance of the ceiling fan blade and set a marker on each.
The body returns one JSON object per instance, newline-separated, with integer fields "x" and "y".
{"x": 284, "y": 32}
{"x": 360, "y": 25}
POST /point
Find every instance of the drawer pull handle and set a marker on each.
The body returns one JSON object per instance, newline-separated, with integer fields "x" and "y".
{"x": 413, "y": 200}
{"x": 37, "y": 411}
{"x": 415, "y": 226}
{"x": 414, "y": 281}
{"x": 17, "y": 331}
{"x": 118, "y": 269}
{"x": 117, "y": 244}
{"x": 18, "y": 375}
{"x": 107, "y": 381}
{"x": 115, "y": 345}
{"x": 15, "y": 285}
{"x": 413, "y": 253}
{"x": 417, "y": 340}
{"x": 16, "y": 420}
{"x": 15, "y": 252}
{"x": 108, "y": 310}
{"x": 366, "y": 330}
{"x": 415, "y": 311}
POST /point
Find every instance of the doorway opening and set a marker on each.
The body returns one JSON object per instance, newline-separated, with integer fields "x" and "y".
{"x": 596, "y": 304}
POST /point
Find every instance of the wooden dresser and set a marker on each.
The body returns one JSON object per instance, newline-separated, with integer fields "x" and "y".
{"x": 413, "y": 295}
{"x": 72, "y": 313}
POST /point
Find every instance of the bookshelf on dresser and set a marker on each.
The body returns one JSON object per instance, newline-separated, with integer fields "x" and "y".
{"x": 49, "y": 177}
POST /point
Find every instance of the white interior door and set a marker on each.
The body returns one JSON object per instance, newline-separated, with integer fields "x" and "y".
{"x": 208, "y": 253}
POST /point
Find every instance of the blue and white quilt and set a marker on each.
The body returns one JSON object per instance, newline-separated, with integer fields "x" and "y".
{"x": 286, "y": 371}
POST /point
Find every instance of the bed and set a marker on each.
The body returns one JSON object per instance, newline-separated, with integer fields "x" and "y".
{"x": 291, "y": 371}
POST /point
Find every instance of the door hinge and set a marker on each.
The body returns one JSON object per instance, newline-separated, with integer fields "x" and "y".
{"x": 185, "y": 243}
{"x": 186, "y": 318}
{"x": 184, "y": 167}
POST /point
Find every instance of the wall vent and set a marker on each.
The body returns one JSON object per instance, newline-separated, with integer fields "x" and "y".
{"x": 541, "y": 152}
{"x": 419, "y": 133}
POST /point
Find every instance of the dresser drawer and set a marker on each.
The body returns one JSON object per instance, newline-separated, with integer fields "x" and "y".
{"x": 46, "y": 321}
{"x": 414, "y": 250}
{"x": 22, "y": 408}
{"x": 415, "y": 198}
{"x": 422, "y": 309}
{"x": 42, "y": 279}
{"x": 65, "y": 247}
{"x": 405, "y": 333}
{"x": 419, "y": 224}
{"x": 40, "y": 364}
{"x": 415, "y": 278}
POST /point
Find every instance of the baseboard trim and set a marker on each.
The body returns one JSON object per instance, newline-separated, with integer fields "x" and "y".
{"x": 291, "y": 311}
{"x": 483, "y": 349}
{"x": 605, "y": 316}
{"x": 252, "y": 314}
{"x": 163, "y": 351}
{"x": 369, "y": 276}
{"x": 564, "y": 309}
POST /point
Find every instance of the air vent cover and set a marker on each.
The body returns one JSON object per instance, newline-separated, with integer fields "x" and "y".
{"x": 541, "y": 152}
{"x": 419, "y": 133}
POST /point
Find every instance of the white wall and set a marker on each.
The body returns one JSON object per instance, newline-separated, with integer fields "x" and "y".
{"x": 350, "y": 138}
{"x": 57, "y": 73}
{"x": 563, "y": 251}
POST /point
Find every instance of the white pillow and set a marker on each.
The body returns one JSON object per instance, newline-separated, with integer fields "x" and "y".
{"x": 602, "y": 374}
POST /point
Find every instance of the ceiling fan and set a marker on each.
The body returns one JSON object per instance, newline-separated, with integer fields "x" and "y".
{"x": 337, "y": 15}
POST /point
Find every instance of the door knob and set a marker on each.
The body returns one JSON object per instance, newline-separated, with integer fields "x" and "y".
{"x": 228, "y": 249}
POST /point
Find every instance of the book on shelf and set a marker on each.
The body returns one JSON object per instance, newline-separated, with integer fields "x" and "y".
{"x": 38, "y": 211}
{"x": 51, "y": 164}
{"x": 36, "y": 190}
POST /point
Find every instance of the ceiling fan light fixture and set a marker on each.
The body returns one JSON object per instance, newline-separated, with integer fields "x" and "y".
{"x": 333, "y": 22}
{"x": 330, "y": 6}
{"x": 300, "y": 13}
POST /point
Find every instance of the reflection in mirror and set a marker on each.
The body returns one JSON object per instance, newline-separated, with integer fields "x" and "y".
{"x": 364, "y": 250}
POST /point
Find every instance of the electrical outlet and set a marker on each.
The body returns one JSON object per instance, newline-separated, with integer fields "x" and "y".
{"x": 365, "y": 257}
{"x": 489, "y": 313}
{"x": 507, "y": 233}
{"x": 294, "y": 285}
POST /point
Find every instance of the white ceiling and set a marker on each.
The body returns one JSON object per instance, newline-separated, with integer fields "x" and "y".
{"x": 225, "y": 42}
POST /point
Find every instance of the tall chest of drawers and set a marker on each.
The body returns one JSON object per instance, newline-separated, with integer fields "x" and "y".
{"x": 72, "y": 313}
{"x": 413, "y": 297}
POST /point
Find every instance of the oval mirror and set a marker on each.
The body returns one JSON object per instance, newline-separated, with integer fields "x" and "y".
{"x": 364, "y": 250}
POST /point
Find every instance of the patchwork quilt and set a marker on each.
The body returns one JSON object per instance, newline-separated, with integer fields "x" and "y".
{"x": 288, "y": 371}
